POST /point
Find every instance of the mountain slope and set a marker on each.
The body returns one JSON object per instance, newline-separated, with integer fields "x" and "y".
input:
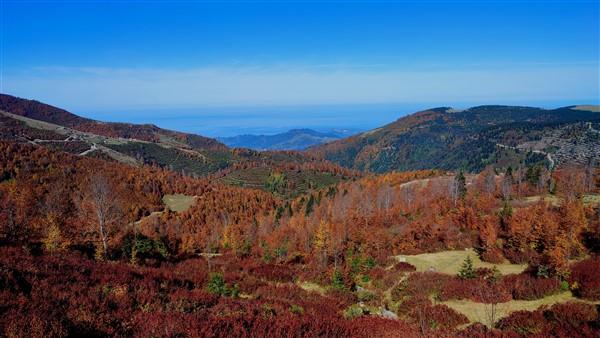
{"x": 39, "y": 124}
{"x": 145, "y": 132}
{"x": 295, "y": 139}
{"x": 471, "y": 139}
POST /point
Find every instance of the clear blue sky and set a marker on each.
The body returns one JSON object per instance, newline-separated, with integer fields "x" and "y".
{"x": 120, "y": 55}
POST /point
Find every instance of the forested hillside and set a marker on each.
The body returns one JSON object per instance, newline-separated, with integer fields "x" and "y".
{"x": 471, "y": 139}
{"x": 32, "y": 122}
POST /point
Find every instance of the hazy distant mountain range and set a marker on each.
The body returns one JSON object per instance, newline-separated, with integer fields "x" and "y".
{"x": 295, "y": 139}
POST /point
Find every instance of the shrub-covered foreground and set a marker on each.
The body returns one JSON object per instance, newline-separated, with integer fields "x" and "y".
{"x": 70, "y": 295}
{"x": 67, "y": 294}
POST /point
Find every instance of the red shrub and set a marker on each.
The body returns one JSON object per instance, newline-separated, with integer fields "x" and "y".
{"x": 195, "y": 269}
{"x": 585, "y": 276}
{"x": 389, "y": 280}
{"x": 192, "y": 301}
{"x": 404, "y": 267}
{"x": 443, "y": 316}
{"x": 274, "y": 272}
{"x": 420, "y": 283}
{"x": 561, "y": 320}
{"x": 492, "y": 255}
{"x": 527, "y": 287}
{"x": 520, "y": 257}
{"x": 407, "y": 306}
{"x": 316, "y": 274}
{"x": 478, "y": 290}
{"x": 377, "y": 273}
{"x": 342, "y": 297}
{"x": 249, "y": 284}
{"x": 479, "y": 330}
{"x": 572, "y": 314}
{"x": 457, "y": 288}
{"x": 523, "y": 322}
{"x": 373, "y": 326}
{"x": 420, "y": 311}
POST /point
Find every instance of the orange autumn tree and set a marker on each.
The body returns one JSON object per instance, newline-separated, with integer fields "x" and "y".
{"x": 322, "y": 242}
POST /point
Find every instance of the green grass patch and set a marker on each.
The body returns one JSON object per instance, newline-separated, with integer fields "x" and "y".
{"x": 312, "y": 287}
{"x": 179, "y": 202}
{"x": 478, "y": 312}
{"x": 449, "y": 262}
{"x": 591, "y": 200}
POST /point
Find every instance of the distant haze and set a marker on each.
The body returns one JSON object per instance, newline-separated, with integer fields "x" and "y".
{"x": 269, "y": 120}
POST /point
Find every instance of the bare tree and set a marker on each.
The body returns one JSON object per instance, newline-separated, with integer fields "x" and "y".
{"x": 213, "y": 235}
{"x": 458, "y": 187}
{"x": 590, "y": 176}
{"x": 507, "y": 182}
{"x": 210, "y": 244}
{"x": 488, "y": 180}
{"x": 421, "y": 319}
{"x": 543, "y": 183}
{"x": 341, "y": 206}
{"x": 385, "y": 196}
{"x": 364, "y": 204}
{"x": 408, "y": 195}
{"x": 519, "y": 176}
{"x": 100, "y": 203}
{"x": 453, "y": 190}
{"x": 491, "y": 293}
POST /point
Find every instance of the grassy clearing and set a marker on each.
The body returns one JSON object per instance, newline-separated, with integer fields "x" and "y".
{"x": 477, "y": 312}
{"x": 312, "y": 287}
{"x": 419, "y": 184}
{"x": 553, "y": 200}
{"x": 38, "y": 124}
{"x": 450, "y": 262}
{"x": 154, "y": 214}
{"x": 593, "y": 108}
{"x": 591, "y": 199}
{"x": 179, "y": 202}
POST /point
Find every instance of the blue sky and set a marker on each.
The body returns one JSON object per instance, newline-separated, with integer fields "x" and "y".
{"x": 101, "y": 57}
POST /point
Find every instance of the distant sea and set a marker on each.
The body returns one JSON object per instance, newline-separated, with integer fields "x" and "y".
{"x": 268, "y": 120}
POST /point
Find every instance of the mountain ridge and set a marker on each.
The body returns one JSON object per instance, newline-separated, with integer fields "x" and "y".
{"x": 42, "y": 125}
{"x": 446, "y": 138}
{"x": 436, "y": 138}
{"x": 293, "y": 139}
{"x": 145, "y": 132}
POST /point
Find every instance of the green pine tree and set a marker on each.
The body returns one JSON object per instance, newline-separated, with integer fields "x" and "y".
{"x": 495, "y": 275}
{"x": 467, "y": 271}
{"x": 337, "y": 281}
{"x": 462, "y": 185}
